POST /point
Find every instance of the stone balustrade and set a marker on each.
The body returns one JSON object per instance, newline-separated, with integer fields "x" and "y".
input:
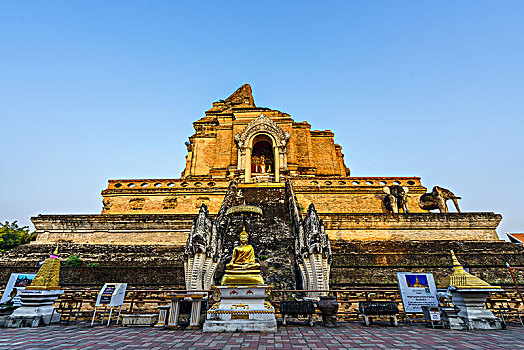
{"x": 358, "y": 182}
{"x": 152, "y": 184}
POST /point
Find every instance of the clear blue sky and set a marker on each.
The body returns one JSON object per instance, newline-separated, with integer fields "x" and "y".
{"x": 98, "y": 90}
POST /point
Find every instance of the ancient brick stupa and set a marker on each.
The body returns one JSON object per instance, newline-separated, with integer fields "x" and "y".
{"x": 241, "y": 153}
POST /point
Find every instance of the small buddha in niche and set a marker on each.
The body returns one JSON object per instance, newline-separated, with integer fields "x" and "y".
{"x": 243, "y": 269}
{"x": 262, "y": 164}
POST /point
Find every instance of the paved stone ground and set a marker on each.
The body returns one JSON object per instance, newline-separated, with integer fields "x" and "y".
{"x": 347, "y": 336}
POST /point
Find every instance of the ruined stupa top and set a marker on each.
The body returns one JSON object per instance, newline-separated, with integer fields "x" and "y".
{"x": 242, "y": 97}
{"x": 237, "y": 139}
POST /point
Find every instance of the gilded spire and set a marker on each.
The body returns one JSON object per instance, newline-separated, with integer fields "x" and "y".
{"x": 461, "y": 279}
{"x": 47, "y": 277}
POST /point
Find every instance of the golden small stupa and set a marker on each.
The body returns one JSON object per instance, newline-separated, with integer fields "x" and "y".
{"x": 461, "y": 279}
{"x": 48, "y": 275}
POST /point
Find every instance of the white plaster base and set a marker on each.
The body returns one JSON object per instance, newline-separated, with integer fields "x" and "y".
{"x": 241, "y": 309}
{"x": 472, "y": 311}
{"x": 451, "y": 320}
{"x": 36, "y": 310}
{"x": 240, "y": 326}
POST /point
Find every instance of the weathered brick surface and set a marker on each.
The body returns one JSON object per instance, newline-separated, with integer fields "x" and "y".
{"x": 355, "y": 262}
{"x": 114, "y": 229}
{"x": 413, "y": 226}
{"x": 378, "y": 262}
{"x": 150, "y": 265}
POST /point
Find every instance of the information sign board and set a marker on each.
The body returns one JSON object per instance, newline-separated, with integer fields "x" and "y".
{"x": 417, "y": 290}
{"x": 112, "y": 294}
{"x": 18, "y": 282}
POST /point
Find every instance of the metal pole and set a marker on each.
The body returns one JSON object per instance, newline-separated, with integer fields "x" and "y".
{"x": 104, "y": 314}
{"x": 119, "y": 311}
{"x": 132, "y": 302}
{"x": 515, "y": 281}
{"x": 93, "y": 320}
{"x": 110, "y": 313}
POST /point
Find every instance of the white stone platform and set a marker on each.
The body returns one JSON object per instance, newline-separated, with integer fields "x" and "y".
{"x": 241, "y": 309}
{"x": 36, "y": 310}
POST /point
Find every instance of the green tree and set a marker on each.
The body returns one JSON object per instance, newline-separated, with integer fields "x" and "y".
{"x": 11, "y": 235}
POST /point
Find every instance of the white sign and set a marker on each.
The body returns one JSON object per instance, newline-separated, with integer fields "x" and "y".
{"x": 17, "y": 282}
{"x": 434, "y": 315}
{"x": 417, "y": 290}
{"x": 112, "y": 294}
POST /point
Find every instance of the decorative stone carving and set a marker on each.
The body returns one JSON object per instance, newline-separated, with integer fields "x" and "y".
{"x": 396, "y": 198}
{"x": 315, "y": 249}
{"x": 312, "y": 246}
{"x": 197, "y": 264}
{"x": 436, "y": 199}
{"x": 106, "y": 202}
{"x": 203, "y": 252}
{"x": 169, "y": 203}
{"x": 262, "y": 124}
{"x": 137, "y": 203}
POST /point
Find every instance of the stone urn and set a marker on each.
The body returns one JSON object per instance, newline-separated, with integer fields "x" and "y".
{"x": 328, "y": 306}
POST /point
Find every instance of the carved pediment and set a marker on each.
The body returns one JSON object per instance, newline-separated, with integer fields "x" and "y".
{"x": 262, "y": 124}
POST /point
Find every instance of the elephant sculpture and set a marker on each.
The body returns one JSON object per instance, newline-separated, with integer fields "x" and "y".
{"x": 437, "y": 198}
{"x": 396, "y": 198}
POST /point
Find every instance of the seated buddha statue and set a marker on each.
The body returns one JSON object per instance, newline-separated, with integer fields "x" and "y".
{"x": 243, "y": 269}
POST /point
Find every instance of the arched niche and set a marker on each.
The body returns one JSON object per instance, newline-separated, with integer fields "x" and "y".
{"x": 262, "y": 130}
{"x": 263, "y": 160}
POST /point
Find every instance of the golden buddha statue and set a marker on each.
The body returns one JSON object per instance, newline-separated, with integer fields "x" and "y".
{"x": 243, "y": 269}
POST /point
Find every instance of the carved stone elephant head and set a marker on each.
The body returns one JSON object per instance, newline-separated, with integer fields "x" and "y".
{"x": 396, "y": 198}
{"x": 436, "y": 199}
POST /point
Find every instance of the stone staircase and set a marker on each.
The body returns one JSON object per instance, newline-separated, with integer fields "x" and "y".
{"x": 271, "y": 235}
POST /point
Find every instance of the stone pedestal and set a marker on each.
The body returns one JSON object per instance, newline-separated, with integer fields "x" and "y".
{"x": 36, "y": 310}
{"x": 471, "y": 303}
{"x": 450, "y": 318}
{"x": 173, "y": 312}
{"x": 241, "y": 309}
